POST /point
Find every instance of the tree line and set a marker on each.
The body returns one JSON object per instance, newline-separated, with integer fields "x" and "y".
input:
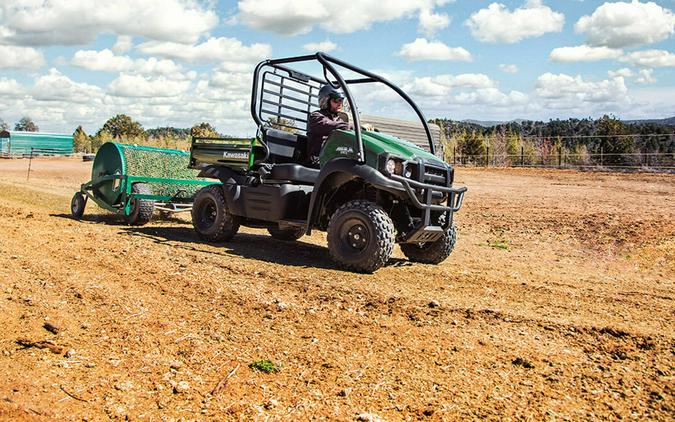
{"x": 26, "y": 124}
{"x": 579, "y": 141}
{"x": 122, "y": 128}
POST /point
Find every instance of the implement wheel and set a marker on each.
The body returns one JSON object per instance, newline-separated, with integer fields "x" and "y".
{"x": 141, "y": 209}
{"x": 288, "y": 234}
{"x": 211, "y": 217}
{"x": 431, "y": 252}
{"x": 77, "y": 205}
{"x": 360, "y": 236}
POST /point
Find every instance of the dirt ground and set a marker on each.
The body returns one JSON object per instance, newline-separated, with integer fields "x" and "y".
{"x": 557, "y": 303}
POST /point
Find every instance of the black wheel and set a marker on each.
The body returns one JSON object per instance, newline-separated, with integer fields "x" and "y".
{"x": 289, "y": 234}
{"x": 141, "y": 209}
{"x": 77, "y": 205}
{"x": 431, "y": 252}
{"x": 360, "y": 236}
{"x": 210, "y": 216}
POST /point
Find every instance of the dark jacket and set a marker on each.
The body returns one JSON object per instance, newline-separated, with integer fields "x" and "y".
{"x": 321, "y": 124}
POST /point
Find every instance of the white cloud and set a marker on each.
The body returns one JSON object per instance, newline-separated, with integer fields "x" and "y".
{"x": 492, "y": 97}
{"x": 123, "y": 44}
{"x": 624, "y": 73}
{"x": 421, "y": 49}
{"x": 106, "y": 61}
{"x": 565, "y": 91}
{"x": 55, "y": 86}
{"x": 226, "y": 50}
{"x": 300, "y": 16}
{"x": 20, "y": 57}
{"x": 497, "y": 24}
{"x": 325, "y": 46}
{"x": 32, "y": 22}
{"x": 645, "y": 76}
{"x": 9, "y": 87}
{"x": 584, "y": 53}
{"x": 139, "y": 86}
{"x": 430, "y": 22}
{"x": 443, "y": 85}
{"x": 509, "y": 68}
{"x": 623, "y": 24}
{"x": 650, "y": 58}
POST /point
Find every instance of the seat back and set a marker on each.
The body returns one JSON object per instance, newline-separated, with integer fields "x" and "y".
{"x": 284, "y": 147}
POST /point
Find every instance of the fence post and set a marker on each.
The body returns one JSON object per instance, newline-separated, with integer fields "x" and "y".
{"x": 559, "y": 156}
{"x": 487, "y": 157}
{"x": 30, "y": 160}
{"x": 522, "y": 156}
{"x": 601, "y": 157}
{"x": 454, "y": 156}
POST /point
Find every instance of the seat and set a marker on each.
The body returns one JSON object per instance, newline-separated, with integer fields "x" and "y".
{"x": 294, "y": 173}
{"x": 281, "y": 145}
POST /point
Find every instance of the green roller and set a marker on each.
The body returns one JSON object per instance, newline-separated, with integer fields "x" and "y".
{"x": 132, "y": 179}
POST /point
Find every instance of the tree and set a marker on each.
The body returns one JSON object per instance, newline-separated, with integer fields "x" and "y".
{"x": 26, "y": 124}
{"x": 123, "y": 127}
{"x": 81, "y": 142}
{"x": 472, "y": 147}
{"x": 3, "y": 125}
{"x": 101, "y": 138}
{"x": 287, "y": 125}
{"x": 610, "y": 129}
{"x": 204, "y": 130}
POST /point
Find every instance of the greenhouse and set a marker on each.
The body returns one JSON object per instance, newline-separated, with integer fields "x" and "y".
{"x": 16, "y": 143}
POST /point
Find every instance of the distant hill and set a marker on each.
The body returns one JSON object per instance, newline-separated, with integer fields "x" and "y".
{"x": 670, "y": 121}
{"x": 484, "y": 123}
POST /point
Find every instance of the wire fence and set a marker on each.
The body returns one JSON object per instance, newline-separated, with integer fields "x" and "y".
{"x": 571, "y": 152}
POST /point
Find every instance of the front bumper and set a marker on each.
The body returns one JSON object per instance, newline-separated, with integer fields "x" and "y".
{"x": 430, "y": 197}
{"x": 455, "y": 195}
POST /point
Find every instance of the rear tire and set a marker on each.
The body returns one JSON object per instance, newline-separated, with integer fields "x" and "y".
{"x": 432, "y": 252}
{"x": 141, "y": 209}
{"x": 77, "y": 205}
{"x": 211, "y": 217}
{"x": 288, "y": 234}
{"x": 360, "y": 236}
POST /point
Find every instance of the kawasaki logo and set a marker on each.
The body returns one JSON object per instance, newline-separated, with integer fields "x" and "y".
{"x": 236, "y": 155}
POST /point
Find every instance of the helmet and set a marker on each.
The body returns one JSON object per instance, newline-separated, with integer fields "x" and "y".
{"x": 328, "y": 92}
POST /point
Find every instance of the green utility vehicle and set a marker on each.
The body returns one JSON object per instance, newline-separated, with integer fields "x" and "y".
{"x": 372, "y": 189}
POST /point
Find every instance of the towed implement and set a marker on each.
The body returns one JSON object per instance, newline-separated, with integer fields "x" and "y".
{"x": 135, "y": 180}
{"x": 372, "y": 189}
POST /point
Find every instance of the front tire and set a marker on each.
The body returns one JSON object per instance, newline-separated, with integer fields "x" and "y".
{"x": 360, "y": 236}
{"x": 211, "y": 217}
{"x": 288, "y": 234}
{"x": 431, "y": 252}
{"x": 141, "y": 209}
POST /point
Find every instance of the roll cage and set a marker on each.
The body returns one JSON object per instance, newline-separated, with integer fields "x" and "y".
{"x": 287, "y": 96}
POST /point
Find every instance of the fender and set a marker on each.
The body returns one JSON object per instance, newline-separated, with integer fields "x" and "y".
{"x": 224, "y": 174}
{"x": 231, "y": 182}
{"x": 339, "y": 171}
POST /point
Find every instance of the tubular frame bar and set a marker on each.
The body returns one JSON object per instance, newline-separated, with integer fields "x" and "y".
{"x": 328, "y": 62}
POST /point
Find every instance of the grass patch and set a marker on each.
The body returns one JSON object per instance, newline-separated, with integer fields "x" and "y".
{"x": 499, "y": 244}
{"x": 265, "y": 365}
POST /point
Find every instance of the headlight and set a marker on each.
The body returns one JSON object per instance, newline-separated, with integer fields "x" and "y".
{"x": 390, "y": 166}
{"x": 408, "y": 172}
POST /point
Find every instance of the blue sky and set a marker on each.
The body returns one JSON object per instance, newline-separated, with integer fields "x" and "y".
{"x": 66, "y": 63}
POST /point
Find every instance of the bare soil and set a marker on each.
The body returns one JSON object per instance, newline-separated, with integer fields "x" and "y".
{"x": 557, "y": 303}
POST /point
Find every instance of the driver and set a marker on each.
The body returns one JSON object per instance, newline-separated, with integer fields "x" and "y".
{"x": 323, "y": 122}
